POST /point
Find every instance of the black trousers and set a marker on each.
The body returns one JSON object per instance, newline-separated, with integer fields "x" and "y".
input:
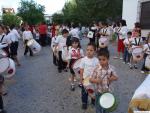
{"x": 43, "y": 39}
{"x": 6, "y": 49}
{"x": 14, "y": 48}
{"x": 61, "y": 64}
{"x": 84, "y": 96}
{"x": 1, "y": 103}
{"x": 55, "y": 61}
{"x": 27, "y": 49}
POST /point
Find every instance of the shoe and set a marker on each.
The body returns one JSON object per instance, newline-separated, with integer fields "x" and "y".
{"x": 72, "y": 87}
{"x": 65, "y": 70}
{"x": 131, "y": 67}
{"x": 84, "y": 106}
{"x": 135, "y": 66}
{"x": 115, "y": 57}
{"x": 142, "y": 72}
{"x": 80, "y": 85}
{"x": 31, "y": 54}
{"x": 124, "y": 62}
{"x": 128, "y": 63}
{"x": 121, "y": 58}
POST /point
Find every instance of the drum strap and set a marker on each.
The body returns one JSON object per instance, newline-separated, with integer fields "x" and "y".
{"x": 148, "y": 46}
{"x": 104, "y": 30}
{"x": 137, "y": 43}
{"x": 2, "y": 38}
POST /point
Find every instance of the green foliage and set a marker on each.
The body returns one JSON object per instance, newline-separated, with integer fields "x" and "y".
{"x": 86, "y": 11}
{"x": 31, "y": 12}
{"x": 10, "y": 19}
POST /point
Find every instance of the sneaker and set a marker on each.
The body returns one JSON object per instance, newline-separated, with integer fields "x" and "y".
{"x": 131, "y": 67}
{"x": 80, "y": 85}
{"x": 72, "y": 87}
{"x": 135, "y": 66}
{"x": 124, "y": 62}
{"x": 59, "y": 71}
{"x": 128, "y": 63}
{"x": 121, "y": 58}
{"x": 115, "y": 57}
{"x": 84, "y": 106}
{"x": 142, "y": 72}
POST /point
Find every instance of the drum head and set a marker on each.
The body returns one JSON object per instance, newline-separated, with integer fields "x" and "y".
{"x": 107, "y": 101}
{"x": 30, "y": 42}
{"x": 4, "y": 64}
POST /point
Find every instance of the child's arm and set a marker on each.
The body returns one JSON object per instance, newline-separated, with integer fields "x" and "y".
{"x": 81, "y": 75}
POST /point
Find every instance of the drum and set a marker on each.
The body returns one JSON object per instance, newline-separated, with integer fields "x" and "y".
{"x": 90, "y": 34}
{"x": 147, "y": 62}
{"x": 7, "y": 67}
{"x": 103, "y": 42}
{"x": 88, "y": 85}
{"x": 2, "y": 54}
{"x": 35, "y": 46}
{"x": 65, "y": 55}
{"x": 76, "y": 67}
{"x": 3, "y": 45}
{"x": 108, "y": 102}
{"x": 137, "y": 54}
{"x": 4, "y": 64}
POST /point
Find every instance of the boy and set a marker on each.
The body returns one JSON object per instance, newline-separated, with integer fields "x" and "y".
{"x": 61, "y": 42}
{"x": 87, "y": 66}
{"x": 127, "y": 52}
{"x": 102, "y": 77}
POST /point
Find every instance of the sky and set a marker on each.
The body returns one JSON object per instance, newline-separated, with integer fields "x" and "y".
{"x": 51, "y": 6}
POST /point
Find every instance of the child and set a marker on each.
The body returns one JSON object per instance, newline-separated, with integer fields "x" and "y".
{"x": 61, "y": 42}
{"x": 88, "y": 63}
{"x": 105, "y": 33}
{"x": 127, "y": 52}
{"x": 1, "y": 93}
{"x": 136, "y": 41}
{"x": 102, "y": 77}
{"x": 27, "y": 35}
{"x": 147, "y": 52}
{"x": 53, "y": 45}
{"x": 36, "y": 33}
{"x": 75, "y": 53}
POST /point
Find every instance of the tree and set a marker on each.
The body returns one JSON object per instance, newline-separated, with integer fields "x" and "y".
{"x": 87, "y": 11}
{"x": 10, "y": 19}
{"x": 31, "y": 12}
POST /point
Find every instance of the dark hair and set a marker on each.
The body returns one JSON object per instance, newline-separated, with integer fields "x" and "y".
{"x": 123, "y": 22}
{"x": 104, "y": 53}
{"x": 74, "y": 39}
{"x": 129, "y": 33}
{"x": 64, "y": 31}
{"x": 92, "y": 44}
{"x": 104, "y": 24}
{"x": 137, "y": 25}
{"x": 12, "y": 26}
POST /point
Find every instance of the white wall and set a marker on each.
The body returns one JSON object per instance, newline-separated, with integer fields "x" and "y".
{"x": 130, "y": 12}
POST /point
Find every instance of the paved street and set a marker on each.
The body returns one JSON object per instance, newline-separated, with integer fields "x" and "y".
{"x": 38, "y": 88}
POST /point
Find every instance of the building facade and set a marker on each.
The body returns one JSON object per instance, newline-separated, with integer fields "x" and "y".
{"x": 137, "y": 11}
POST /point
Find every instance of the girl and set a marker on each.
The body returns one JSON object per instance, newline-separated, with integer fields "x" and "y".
{"x": 136, "y": 41}
{"x": 27, "y": 35}
{"x": 122, "y": 35}
{"x": 87, "y": 66}
{"x": 75, "y": 53}
{"x": 147, "y": 52}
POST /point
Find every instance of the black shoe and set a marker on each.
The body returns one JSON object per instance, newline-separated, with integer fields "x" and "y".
{"x": 135, "y": 67}
{"x": 80, "y": 85}
{"x": 72, "y": 87}
{"x": 84, "y": 106}
{"x": 65, "y": 70}
{"x": 31, "y": 54}
{"x": 93, "y": 102}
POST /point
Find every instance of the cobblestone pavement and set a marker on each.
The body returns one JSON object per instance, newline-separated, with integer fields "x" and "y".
{"x": 38, "y": 88}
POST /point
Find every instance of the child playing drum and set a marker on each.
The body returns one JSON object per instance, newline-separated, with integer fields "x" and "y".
{"x": 27, "y": 35}
{"x": 87, "y": 66}
{"x": 75, "y": 53}
{"x": 102, "y": 77}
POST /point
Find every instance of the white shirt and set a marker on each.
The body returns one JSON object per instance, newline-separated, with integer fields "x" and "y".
{"x": 88, "y": 64}
{"x": 123, "y": 32}
{"x": 4, "y": 41}
{"x": 53, "y": 43}
{"x": 14, "y": 35}
{"x": 27, "y": 35}
{"x": 106, "y": 31}
{"x": 75, "y": 53}
{"x": 61, "y": 41}
{"x": 136, "y": 42}
{"x": 146, "y": 48}
{"x": 127, "y": 41}
{"x": 74, "y": 32}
